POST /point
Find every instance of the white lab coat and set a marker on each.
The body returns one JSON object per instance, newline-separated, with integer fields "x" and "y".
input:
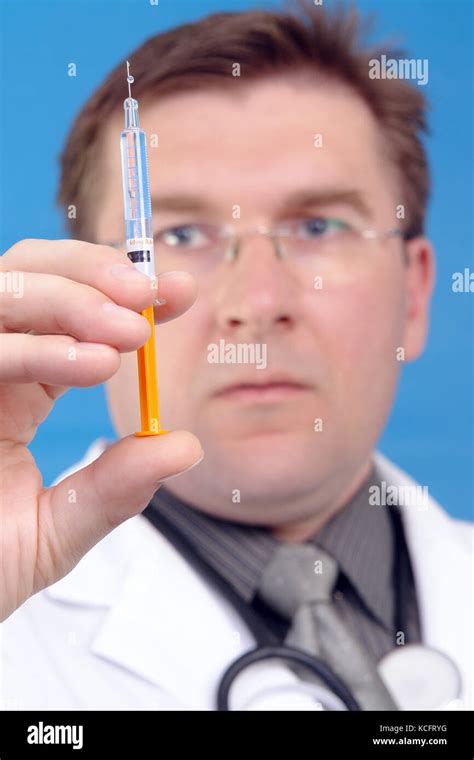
{"x": 133, "y": 626}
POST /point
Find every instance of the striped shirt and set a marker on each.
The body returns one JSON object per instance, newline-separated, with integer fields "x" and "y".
{"x": 375, "y": 591}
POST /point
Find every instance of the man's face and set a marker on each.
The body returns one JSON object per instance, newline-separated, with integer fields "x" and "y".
{"x": 246, "y": 155}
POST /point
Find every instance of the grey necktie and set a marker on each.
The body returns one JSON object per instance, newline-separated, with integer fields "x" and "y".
{"x": 298, "y": 584}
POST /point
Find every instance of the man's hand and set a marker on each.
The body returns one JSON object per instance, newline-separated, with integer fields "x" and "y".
{"x": 77, "y": 311}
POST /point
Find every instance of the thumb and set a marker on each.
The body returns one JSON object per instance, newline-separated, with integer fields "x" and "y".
{"x": 80, "y": 510}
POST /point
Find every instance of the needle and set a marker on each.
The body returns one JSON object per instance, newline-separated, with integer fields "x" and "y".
{"x": 130, "y": 80}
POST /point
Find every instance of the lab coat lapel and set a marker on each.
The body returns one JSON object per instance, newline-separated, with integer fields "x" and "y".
{"x": 169, "y": 627}
{"x": 441, "y": 555}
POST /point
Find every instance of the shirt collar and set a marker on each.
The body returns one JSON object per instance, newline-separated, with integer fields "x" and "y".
{"x": 359, "y": 537}
{"x": 239, "y": 553}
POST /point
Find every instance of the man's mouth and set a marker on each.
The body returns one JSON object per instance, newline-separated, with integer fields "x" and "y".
{"x": 270, "y": 392}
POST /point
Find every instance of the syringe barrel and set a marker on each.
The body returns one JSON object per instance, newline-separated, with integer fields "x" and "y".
{"x": 136, "y": 192}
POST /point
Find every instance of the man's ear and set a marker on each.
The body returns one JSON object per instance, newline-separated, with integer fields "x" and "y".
{"x": 419, "y": 282}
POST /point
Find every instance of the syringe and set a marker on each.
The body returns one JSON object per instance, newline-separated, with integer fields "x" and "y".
{"x": 139, "y": 241}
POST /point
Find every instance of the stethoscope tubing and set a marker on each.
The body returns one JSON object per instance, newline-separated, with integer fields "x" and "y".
{"x": 262, "y": 653}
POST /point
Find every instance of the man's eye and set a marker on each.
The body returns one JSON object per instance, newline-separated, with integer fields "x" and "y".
{"x": 319, "y": 226}
{"x": 184, "y": 236}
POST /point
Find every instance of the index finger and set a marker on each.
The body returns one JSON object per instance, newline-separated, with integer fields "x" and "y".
{"x": 106, "y": 269}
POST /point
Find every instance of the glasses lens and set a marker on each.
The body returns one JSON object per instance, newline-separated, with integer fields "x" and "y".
{"x": 194, "y": 247}
{"x": 332, "y": 256}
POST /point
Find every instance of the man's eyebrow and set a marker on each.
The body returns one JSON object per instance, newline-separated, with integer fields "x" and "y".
{"x": 179, "y": 203}
{"x": 298, "y": 199}
{"x": 308, "y": 197}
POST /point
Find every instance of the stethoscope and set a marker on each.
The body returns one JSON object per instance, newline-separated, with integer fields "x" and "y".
{"x": 396, "y": 668}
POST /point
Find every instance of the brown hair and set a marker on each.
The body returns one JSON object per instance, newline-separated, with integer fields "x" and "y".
{"x": 265, "y": 44}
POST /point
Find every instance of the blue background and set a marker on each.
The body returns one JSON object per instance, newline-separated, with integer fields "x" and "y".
{"x": 430, "y": 432}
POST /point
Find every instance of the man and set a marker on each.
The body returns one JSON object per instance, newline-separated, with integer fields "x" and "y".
{"x": 268, "y": 125}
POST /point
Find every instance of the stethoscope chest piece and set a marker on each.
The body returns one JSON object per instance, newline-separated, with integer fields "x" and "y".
{"x": 421, "y": 678}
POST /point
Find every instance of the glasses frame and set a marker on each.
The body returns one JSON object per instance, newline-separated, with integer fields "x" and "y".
{"x": 235, "y": 237}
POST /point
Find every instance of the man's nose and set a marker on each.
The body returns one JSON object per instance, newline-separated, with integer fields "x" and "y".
{"x": 256, "y": 290}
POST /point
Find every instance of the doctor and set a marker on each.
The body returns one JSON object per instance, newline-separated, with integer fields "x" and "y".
{"x": 321, "y": 174}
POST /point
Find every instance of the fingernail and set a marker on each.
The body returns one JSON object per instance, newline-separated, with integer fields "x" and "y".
{"x": 93, "y": 346}
{"x": 127, "y": 272}
{"x": 120, "y": 311}
{"x": 177, "y": 274}
{"x": 170, "y": 477}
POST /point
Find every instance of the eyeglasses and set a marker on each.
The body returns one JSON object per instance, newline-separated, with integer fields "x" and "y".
{"x": 330, "y": 248}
